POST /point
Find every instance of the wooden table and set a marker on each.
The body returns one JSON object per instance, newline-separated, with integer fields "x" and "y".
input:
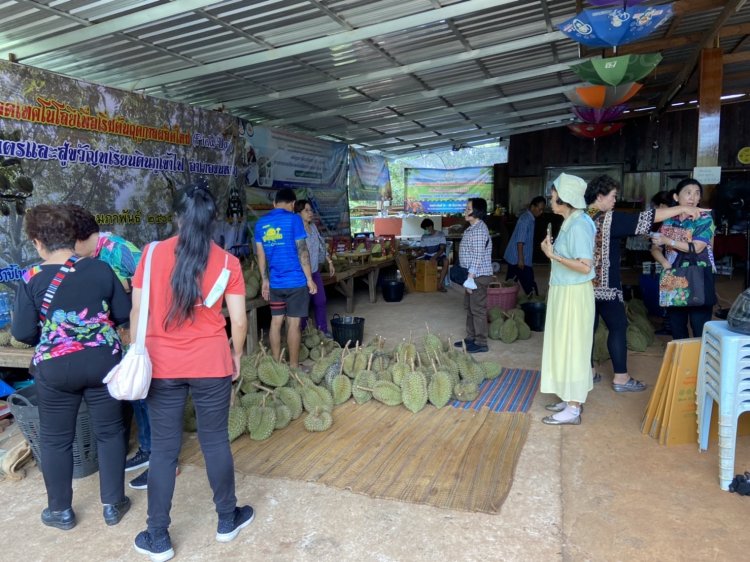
{"x": 15, "y": 358}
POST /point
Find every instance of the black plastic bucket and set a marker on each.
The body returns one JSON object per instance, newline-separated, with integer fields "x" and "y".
{"x": 535, "y": 313}
{"x": 348, "y": 329}
{"x": 393, "y": 290}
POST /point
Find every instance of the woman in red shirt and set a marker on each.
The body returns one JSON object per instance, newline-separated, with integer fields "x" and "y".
{"x": 186, "y": 339}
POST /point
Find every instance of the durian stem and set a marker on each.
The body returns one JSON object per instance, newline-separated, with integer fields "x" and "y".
{"x": 261, "y": 387}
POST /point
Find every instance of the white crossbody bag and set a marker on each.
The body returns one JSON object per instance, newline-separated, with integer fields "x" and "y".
{"x": 131, "y": 378}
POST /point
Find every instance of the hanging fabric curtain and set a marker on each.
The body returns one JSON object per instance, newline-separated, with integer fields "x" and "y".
{"x": 598, "y": 96}
{"x": 599, "y": 115}
{"x": 610, "y": 27}
{"x": 616, "y": 70}
{"x": 594, "y": 130}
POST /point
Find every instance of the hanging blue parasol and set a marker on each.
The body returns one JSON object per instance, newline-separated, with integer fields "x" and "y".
{"x": 609, "y": 27}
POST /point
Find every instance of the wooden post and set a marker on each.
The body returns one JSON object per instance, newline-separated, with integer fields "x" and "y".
{"x": 709, "y": 112}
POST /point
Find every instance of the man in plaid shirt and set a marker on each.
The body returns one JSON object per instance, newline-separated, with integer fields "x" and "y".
{"x": 475, "y": 254}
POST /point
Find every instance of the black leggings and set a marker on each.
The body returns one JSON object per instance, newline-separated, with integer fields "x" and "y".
{"x": 696, "y": 315}
{"x": 613, "y": 314}
{"x": 61, "y": 383}
{"x": 166, "y": 404}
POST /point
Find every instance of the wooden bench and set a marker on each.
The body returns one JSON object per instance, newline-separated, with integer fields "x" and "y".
{"x": 15, "y": 358}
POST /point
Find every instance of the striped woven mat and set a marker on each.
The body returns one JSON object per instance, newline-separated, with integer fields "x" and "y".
{"x": 512, "y": 391}
{"x": 449, "y": 458}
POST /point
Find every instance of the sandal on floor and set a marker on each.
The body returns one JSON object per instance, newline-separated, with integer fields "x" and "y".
{"x": 597, "y": 377}
{"x": 550, "y": 420}
{"x": 631, "y": 386}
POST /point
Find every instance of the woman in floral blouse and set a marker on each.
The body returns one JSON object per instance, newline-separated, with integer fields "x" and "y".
{"x": 672, "y": 246}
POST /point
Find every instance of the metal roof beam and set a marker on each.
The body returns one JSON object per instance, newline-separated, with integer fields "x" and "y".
{"x": 459, "y": 109}
{"x": 421, "y": 96}
{"x": 389, "y": 73}
{"x": 708, "y": 38}
{"x": 94, "y": 31}
{"x": 334, "y": 40}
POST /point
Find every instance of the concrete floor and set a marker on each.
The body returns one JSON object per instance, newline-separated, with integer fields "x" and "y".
{"x": 598, "y": 491}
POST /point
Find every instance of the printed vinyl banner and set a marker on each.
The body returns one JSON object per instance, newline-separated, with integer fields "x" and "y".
{"x": 122, "y": 156}
{"x": 314, "y": 168}
{"x": 435, "y": 191}
{"x": 369, "y": 178}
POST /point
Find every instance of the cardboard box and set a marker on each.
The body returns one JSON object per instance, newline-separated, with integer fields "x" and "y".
{"x": 426, "y": 276}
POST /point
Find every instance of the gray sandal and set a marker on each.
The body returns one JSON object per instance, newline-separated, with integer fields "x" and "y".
{"x": 631, "y": 386}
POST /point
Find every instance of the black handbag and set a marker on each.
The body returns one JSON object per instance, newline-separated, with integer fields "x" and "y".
{"x": 458, "y": 274}
{"x": 684, "y": 284}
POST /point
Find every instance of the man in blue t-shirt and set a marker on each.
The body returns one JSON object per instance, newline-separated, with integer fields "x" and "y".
{"x": 288, "y": 283}
{"x": 520, "y": 248}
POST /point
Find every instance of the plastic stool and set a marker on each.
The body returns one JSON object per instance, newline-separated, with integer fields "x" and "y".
{"x": 723, "y": 376}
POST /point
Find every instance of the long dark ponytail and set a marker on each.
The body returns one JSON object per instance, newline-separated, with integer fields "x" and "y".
{"x": 196, "y": 211}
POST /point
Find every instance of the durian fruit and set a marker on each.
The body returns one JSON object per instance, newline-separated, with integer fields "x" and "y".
{"x": 248, "y": 372}
{"x": 335, "y": 368}
{"x": 515, "y": 314}
{"x": 304, "y": 354}
{"x": 491, "y": 369}
{"x": 4, "y": 338}
{"x": 291, "y": 399}
{"x": 253, "y": 281}
{"x": 398, "y": 370}
{"x": 600, "y": 351}
{"x": 318, "y": 420}
{"x": 524, "y": 331}
{"x": 362, "y": 385}
{"x": 17, "y": 344}
{"x": 189, "y": 420}
{"x": 636, "y": 339}
{"x": 265, "y": 425}
{"x": 272, "y": 372}
{"x": 494, "y": 313}
{"x": 316, "y": 352}
{"x": 440, "y": 389}
{"x": 494, "y": 328}
{"x": 466, "y": 391}
{"x": 637, "y": 306}
{"x": 314, "y": 396}
{"x": 386, "y": 392}
{"x": 408, "y": 351}
{"x": 321, "y": 365}
{"x": 341, "y": 388}
{"x": 355, "y": 362}
{"x": 237, "y": 421}
{"x": 254, "y": 417}
{"x": 283, "y": 414}
{"x": 414, "y": 391}
{"x": 251, "y": 399}
{"x": 431, "y": 343}
{"x": 470, "y": 370}
{"x": 509, "y": 331}
{"x": 310, "y": 337}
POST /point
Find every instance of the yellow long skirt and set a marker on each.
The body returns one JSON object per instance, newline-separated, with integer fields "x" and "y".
{"x": 568, "y": 337}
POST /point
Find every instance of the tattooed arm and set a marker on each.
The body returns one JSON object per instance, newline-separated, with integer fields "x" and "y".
{"x": 304, "y": 260}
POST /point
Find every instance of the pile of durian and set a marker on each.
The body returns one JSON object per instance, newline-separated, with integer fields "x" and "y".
{"x": 268, "y": 395}
{"x": 640, "y": 333}
{"x": 7, "y": 340}
{"x": 253, "y": 281}
{"x": 508, "y": 325}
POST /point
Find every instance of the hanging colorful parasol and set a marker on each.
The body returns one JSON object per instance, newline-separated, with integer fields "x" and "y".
{"x": 610, "y": 27}
{"x": 599, "y": 115}
{"x": 603, "y": 96}
{"x": 594, "y": 130}
{"x": 616, "y": 70}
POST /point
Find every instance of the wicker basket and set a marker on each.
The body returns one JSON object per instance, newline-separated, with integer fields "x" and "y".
{"x": 24, "y": 405}
{"x": 503, "y": 297}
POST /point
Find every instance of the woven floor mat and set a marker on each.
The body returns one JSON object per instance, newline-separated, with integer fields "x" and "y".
{"x": 449, "y": 458}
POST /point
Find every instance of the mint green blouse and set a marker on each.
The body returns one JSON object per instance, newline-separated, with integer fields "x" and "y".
{"x": 575, "y": 241}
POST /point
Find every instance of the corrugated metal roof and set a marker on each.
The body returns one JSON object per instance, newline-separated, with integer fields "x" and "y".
{"x": 391, "y": 75}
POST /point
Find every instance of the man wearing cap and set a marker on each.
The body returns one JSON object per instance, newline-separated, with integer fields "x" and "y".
{"x": 520, "y": 248}
{"x": 569, "y": 322}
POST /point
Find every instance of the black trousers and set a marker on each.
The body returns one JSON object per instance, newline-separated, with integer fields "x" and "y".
{"x": 613, "y": 314}
{"x": 525, "y": 277}
{"x": 61, "y": 384}
{"x": 166, "y": 403}
{"x": 696, "y": 315}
